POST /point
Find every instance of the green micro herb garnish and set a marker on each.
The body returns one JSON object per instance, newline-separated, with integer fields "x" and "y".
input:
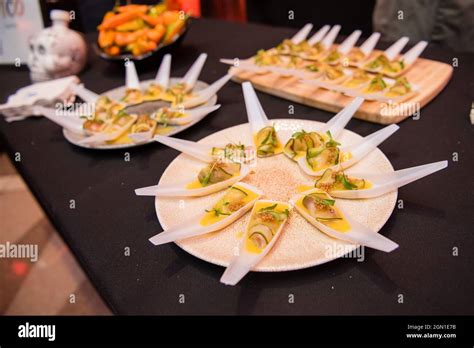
{"x": 331, "y": 142}
{"x": 269, "y": 208}
{"x": 345, "y": 181}
{"x": 236, "y": 188}
{"x": 217, "y": 212}
{"x": 205, "y": 180}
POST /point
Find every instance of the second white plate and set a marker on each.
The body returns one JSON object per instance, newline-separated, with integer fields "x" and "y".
{"x": 118, "y": 93}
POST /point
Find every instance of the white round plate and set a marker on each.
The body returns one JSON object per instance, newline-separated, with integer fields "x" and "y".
{"x": 300, "y": 245}
{"x": 118, "y": 93}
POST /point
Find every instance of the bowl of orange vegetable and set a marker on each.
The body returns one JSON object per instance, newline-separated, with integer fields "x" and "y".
{"x": 137, "y": 32}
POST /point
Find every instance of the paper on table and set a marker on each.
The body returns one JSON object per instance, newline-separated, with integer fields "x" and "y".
{"x": 19, "y": 105}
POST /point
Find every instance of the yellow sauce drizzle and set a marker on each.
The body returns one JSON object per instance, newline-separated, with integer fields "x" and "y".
{"x": 163, "y": 130}
{"x": 251, "y": 247}
{"x": 123, "y": 139}
{"x": 337, "y": 225}
{"x": 303, "y": 188}
{"x": 197, "y": 184}
{"x": 211, "y": 217}
{"x": 280, "y": 207}
{"x": 278, "y": 146}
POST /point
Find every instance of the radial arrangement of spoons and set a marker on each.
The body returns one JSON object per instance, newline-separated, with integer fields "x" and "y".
{"x": 317, "y": 152}
{"x": 103, "y": 120}
{"x": 353, "y": 71}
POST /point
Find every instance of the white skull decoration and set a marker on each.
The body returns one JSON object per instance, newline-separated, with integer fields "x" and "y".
{"x": 56, "y": 51}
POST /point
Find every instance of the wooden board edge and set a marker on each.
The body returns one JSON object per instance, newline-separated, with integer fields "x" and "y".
{"x": 366, "y": 116}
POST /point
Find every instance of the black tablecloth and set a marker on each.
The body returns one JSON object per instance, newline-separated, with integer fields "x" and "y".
{"x": 437, "y": 215}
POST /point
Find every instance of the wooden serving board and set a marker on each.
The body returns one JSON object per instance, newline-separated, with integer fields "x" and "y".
{"x": 429, "y": 75}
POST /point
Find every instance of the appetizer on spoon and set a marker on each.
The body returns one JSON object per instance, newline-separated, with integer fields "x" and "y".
{"x": 143, "y": 129}
{"x": 112, "y": 130}
{"x": 184, "y": 88}
{"x": 274, "y": 60}
{"x": 382, "y": 88}
{"x": 202, "y": 96}
{"x": 213, "y": 177}
{"x": 133, "y": 93}
{"x": 312, "y": 46}
{"x": 264, "y": 134}
{"x": 330, "y": 76}
{"x": 385, "y": 58}
{"x": 289, "y": 46}
{"x": 301, "y": 141}
{"x": 235, "y": 152}
{"x": 362, "y": 53}
{"x": 159, "y": 86}
{"x": 323, "y": 212}
{"x": 399, "y": 66}
{"x": 357, "y": 185}
{"x": 266, "y": 223}
{"x": 331, "y": 155}
{"x": 319, "y": 47}
{"x": 181, "y": 117}
{"x": 234, "y": 203}
{"x": 336, "y": 55}
{"x": 358, "y": 79}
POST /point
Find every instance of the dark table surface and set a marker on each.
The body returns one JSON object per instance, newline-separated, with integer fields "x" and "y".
{"x": 437, "y": 215}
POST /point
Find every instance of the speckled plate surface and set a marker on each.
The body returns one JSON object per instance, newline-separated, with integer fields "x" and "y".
{"x": 300, "y": 245}
{"x": 145, "y": 107}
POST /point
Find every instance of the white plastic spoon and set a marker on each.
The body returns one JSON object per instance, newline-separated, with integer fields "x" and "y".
{"x": 349, "y": 42}
{"x": 162, "y": 77}
{"x": 411, "y": 55}
{"x": 193, "y": 226}
{"x": 383, "y": 183}
{"x": 191, "y": 115}
{"x": 336, "y": 124}
{"x": 202, "y": 152}
{"x": 256, "y": 115}
{"x": 355, "y": 232}
{"x": 368, "y": 46}
{"x": 329, "y": 39}
{"x": 205, "y": 94}
{"x": 358, "y": 151}
{"x": 319, "y": 35}
{"x": 246, "y": 259}
{"x": 181, "y": 189}
{"x": 393, "y": 51}
{"x": 301, "y": 34}
{"x": 190, "y": 78}
{"x": 131, "y": 76}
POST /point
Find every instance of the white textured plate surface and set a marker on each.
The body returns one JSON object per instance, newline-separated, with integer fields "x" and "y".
{"x": 118, "y": 93}
{"x": 300, "y": 245}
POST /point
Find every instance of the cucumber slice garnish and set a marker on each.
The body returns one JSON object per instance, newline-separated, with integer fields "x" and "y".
{"x": 326, "y": 180}
{"x": 259, "y": 240}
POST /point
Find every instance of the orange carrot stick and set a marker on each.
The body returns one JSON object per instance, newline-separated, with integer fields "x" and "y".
{"x": 132, "y": 7}
{"x": 120, "y": 18}
{"x": 153, "y": 21}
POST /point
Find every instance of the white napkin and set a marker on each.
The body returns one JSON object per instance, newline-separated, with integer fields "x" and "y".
{"x": 20, "y": 105}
